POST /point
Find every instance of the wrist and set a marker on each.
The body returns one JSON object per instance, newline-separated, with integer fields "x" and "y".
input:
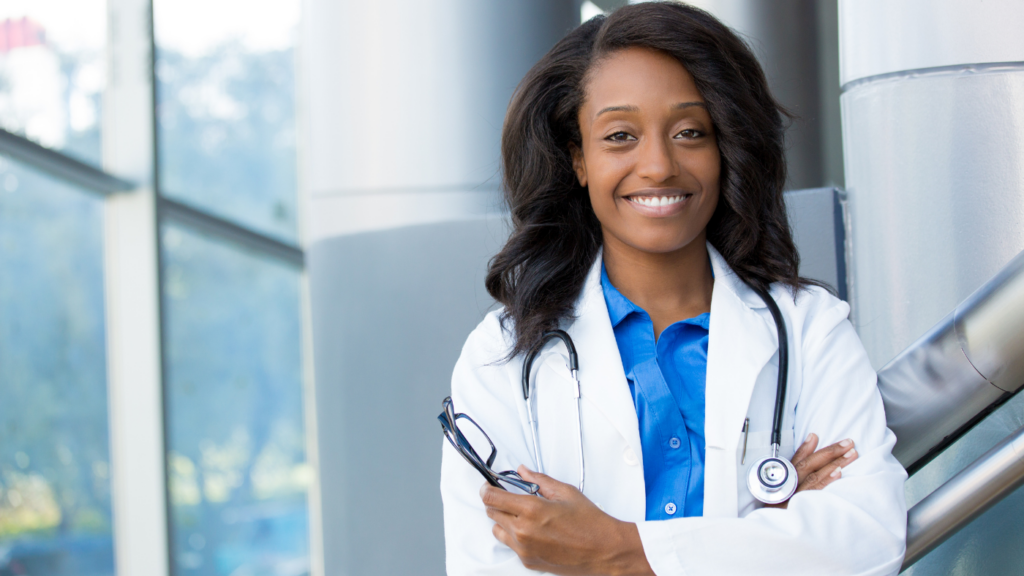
{"x": 628, "y": 557}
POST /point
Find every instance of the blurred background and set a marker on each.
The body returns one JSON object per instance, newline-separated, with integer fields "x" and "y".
{"x": 242, "y": 242}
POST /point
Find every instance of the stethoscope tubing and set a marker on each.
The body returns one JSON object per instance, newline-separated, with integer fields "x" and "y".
{"x": 574, "y": 366}
{"x": 780, "y": 387}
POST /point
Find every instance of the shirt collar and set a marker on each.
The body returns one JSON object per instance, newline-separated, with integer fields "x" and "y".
{"x": 618, "y": 305}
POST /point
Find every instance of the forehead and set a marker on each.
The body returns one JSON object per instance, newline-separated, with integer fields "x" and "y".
{"x": 635, "y": 75}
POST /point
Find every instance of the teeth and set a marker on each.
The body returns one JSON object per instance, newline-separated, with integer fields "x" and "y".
{"x": 656, "y": 200}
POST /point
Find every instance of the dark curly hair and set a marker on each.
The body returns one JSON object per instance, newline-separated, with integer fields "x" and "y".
{"x": 539, "y": 273}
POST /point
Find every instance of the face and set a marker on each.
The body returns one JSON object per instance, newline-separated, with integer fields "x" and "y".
{"x": 649, "y": 157}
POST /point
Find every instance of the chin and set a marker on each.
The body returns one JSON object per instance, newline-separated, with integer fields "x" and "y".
{"x": 664, "y": 245}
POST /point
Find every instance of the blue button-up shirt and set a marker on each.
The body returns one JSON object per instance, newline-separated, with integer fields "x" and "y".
{"x": 667, "y": 381}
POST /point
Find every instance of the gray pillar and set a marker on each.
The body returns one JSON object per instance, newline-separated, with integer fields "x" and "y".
{"x": 933, "y": 128}
{"x": 401, "y": 111}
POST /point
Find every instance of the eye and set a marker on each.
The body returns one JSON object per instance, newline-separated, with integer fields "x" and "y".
{"x": 689, "y": 134}
{"x": 620, "y": 136}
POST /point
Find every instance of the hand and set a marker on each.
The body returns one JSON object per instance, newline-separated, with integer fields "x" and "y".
{"x": 819, "y": 469}
{"x": 563, "y": 532}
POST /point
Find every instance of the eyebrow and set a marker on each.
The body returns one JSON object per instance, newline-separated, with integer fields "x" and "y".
{"x": 634, "y": 109}
{"x": 618, "y": 109}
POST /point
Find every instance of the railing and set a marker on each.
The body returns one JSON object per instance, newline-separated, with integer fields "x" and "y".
{"x": 940, "y": 386}
{"x": 992, "y": 477}
{"x": 960, "y": 370}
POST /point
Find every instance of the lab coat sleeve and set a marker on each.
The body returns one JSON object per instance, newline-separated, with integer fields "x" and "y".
{"x": 856, "y": 525}
{"x": 483, "y": 388}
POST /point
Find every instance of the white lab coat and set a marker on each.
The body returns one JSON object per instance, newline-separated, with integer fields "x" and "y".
{"x": 857, "y": 525}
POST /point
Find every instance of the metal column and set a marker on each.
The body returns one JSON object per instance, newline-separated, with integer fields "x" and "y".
{"x": 401, "y": 108}
{"x": 933, "y": 132}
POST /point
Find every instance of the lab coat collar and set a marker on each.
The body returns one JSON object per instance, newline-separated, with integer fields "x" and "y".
{"x": 603, "y": 382}
{"x": 741, "y": 341}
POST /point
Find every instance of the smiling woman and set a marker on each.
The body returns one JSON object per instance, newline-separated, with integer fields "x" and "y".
{"x": 643, "y": 168}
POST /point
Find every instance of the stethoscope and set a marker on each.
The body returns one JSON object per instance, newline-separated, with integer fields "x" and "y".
{"x": 771, "y": 480}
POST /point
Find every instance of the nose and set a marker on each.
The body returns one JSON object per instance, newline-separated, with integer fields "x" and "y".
{"x": 654, "y": 161}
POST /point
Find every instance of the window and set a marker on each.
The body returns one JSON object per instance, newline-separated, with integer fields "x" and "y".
{"x": 236, "y": 444}
{"x": 52, "y": 73}
{"x": 55, "y": 508}
{"x": 226, "y": 109}
{"x": 227, "y": 274}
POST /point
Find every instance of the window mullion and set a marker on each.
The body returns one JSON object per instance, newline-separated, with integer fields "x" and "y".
{"x": 131, "y": 266}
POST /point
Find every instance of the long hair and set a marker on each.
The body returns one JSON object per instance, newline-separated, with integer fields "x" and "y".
{"x": 539, "y": 273}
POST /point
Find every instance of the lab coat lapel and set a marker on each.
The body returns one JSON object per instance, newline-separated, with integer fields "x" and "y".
{"x": 740, "y": 343}
{"x": 603, "y": 382}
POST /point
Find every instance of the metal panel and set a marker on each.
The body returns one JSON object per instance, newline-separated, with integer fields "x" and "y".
{"x": 881, "y": 36}
{"x": 815, "y": 217}
{"x": 392, "y": 311}
{"x": 935, "y": 178}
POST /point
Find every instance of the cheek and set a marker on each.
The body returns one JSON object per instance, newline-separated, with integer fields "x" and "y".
{"x": 706, "y": 167}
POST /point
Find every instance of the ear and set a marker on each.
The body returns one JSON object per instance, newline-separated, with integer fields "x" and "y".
{"x": 578, "y": 164}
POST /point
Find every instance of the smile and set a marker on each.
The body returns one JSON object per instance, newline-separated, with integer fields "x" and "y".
{"x": 657, "y": 201}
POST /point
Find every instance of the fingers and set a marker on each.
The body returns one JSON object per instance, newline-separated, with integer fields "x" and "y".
{"x": 502, "y": 518}
{"x": 504, "y": 536}
{"x": 806, "y": 449}
{"x": 815, "y": 462}
{"x": 504, "y": 501}
{"x": 828, "y": 473}
{"x": 549, "y": 487}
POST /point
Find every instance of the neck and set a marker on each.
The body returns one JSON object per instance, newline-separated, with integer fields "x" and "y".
{"x": 670, "y": 286}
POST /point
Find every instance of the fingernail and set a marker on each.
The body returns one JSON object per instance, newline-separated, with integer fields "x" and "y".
{"x": 836, "y": 473}
{"x": 850, "y": 454}
{"x": 482, "y": 490}
{"x": 807, "y": 441}
{"x": 846, "y": 443}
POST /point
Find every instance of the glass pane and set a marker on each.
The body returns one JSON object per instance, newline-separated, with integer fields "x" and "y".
{"x": 226, "y": 108}
{"x": 52, "y": 73}
{"x": 994, "y": 542}
{"x": 237, "y": 459}
{"x": 55, "y": 515}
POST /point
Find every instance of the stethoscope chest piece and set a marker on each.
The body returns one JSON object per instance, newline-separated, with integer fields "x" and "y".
{"x": 772, "y": 480}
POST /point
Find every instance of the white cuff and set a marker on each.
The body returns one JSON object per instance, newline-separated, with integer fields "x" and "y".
{"x": 660, "y": 548}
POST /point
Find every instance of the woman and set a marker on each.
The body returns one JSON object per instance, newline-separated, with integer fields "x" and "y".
{"x": 643, "y": 165}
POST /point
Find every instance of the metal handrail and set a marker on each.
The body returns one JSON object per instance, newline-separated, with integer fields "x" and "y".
{"x": 968, "y": 364}
{"x": 964, "y": 497}
{"x": 940, "y": 386}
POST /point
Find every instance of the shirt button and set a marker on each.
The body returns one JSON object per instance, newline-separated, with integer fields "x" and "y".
{"x": 670, "y": 508}
{"x": 630, "y": 457}
{"x": 675, "y": 443}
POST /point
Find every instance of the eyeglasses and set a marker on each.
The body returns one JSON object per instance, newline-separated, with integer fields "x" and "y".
{"x": 449, "y": 420}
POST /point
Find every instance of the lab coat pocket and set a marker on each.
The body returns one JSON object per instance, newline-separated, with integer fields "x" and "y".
{"x": 759, "y": 445}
